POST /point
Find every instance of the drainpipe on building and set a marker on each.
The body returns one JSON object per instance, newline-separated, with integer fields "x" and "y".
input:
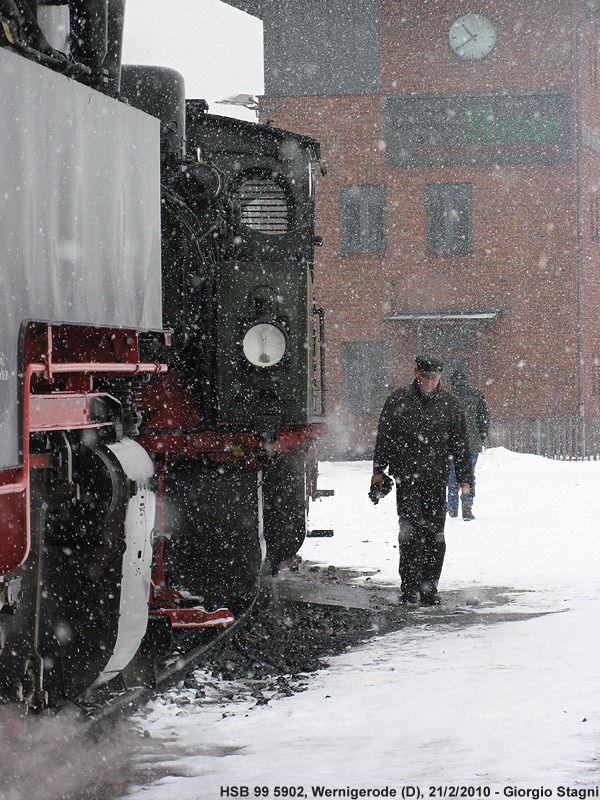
{"x": 579, "y": 121}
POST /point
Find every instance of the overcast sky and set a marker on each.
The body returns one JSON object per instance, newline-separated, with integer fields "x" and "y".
{"x": 218, "y": 49}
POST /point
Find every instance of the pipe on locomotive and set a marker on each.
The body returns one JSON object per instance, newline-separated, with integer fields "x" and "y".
{"x": 160, "y": 92}
{"x": 82, "y": 38}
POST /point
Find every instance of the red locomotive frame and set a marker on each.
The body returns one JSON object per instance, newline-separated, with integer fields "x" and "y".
{"x": 68, "y": 408}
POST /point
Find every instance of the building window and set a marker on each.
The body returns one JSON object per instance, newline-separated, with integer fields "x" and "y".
{"x": 364, "y": 219}
{"x": 449, "y": 337}
{"x": 364, "y": 368}
{"x": 595, "y": 219}
{"x": 449, "y": 217}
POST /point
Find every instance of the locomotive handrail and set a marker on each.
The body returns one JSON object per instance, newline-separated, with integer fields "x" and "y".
{"x": 22, "y": 486}
{"x": 320, "y": 313}
{"x": 150, "y": 368}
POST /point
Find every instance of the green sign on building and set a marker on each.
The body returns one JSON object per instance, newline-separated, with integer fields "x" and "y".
{"x": 454, "y": 129}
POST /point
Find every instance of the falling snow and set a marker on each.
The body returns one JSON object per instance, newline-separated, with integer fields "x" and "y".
{"x": 509, "y": 700}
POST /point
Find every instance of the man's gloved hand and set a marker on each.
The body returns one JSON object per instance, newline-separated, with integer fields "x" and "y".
{"x": 381, "y": 484}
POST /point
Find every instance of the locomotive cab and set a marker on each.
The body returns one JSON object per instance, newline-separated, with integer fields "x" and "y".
{"x": 264, "y": 366}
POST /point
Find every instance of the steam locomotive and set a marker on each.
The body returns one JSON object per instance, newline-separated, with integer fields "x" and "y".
{"x": 161, "y": 356}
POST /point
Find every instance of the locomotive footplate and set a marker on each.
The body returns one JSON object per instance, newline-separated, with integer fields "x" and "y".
{"x": 175, "y": 606}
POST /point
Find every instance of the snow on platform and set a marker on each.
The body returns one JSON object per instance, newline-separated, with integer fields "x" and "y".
{"x": 515, "y": 703}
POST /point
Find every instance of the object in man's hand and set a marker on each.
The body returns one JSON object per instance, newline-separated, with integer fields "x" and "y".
{"x": 376, "y": 492}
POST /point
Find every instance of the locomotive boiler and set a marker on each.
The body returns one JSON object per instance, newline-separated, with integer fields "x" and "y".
{"x": 160, "y": 355}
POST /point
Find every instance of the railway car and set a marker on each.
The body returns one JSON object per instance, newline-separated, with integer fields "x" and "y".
{"x": 160, "y": 355}
{"x": 81, "y": 293}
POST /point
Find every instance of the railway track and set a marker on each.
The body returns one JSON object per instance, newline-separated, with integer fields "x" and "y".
{"x": 296, "y": 619}
{"x": 301, "y": 586}
{"x": 303, "y": 615}
{"x": 188, "y": 653}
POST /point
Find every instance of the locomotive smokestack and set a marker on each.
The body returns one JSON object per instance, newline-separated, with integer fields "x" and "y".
{"x": 160, "y": 92}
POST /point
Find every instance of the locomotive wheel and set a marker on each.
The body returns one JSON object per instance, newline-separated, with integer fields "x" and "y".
{"x": 78, "y": 634}
{"x": 285, "y": 508}
{"x": 83, "y": 545}
{"x": 64, "y": 631}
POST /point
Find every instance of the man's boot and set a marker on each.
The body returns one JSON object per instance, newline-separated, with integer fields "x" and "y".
{"x": 410, "y": 598}
{"x": 467, "y": 511}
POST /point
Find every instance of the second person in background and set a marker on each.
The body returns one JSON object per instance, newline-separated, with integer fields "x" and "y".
{"x": 478, "y": 426}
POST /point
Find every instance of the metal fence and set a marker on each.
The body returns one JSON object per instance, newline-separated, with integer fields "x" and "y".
{"x": 567, "y": 438}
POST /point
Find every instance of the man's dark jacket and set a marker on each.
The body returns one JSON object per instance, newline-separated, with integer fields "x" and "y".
{"x": 416, "y": 436}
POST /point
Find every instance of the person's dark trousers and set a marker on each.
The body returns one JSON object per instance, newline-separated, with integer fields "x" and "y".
{"x": 453, "y": 494}
{"x": 422, "y": 550}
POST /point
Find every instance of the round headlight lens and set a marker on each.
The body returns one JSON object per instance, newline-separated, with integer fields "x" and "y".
{"x": 264, "y": 345}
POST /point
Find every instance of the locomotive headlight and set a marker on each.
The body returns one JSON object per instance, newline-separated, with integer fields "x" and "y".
{"x": 264, "y": 345}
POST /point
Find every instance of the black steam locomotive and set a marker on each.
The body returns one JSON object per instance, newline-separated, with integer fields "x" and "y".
{"x": 160, "y": 355}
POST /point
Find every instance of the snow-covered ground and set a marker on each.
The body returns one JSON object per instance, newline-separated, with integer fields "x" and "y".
{"x": 494, "y": 706}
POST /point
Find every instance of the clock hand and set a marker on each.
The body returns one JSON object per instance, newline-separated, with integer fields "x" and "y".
{"x": 471, "y": 35}
{"x": 472, "y": 38}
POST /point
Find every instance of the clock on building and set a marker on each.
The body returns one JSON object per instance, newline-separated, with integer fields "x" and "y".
{"x": 472, "y": 37}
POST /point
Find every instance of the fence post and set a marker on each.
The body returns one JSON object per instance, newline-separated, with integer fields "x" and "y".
{"x": 552, "y": 436}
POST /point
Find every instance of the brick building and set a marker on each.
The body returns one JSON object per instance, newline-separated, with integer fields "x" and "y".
{"x": 461, "y": 209}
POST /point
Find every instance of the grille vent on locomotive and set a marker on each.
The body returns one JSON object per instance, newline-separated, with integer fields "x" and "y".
{"x": 263, "y": 205}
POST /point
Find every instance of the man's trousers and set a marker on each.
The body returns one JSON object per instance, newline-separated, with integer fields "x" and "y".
{"x": 422, "y": 550}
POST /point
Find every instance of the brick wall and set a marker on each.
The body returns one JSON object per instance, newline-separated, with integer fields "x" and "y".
{"x": 524, "y": 258}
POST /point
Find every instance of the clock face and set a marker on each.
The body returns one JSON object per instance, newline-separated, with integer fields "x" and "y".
{"x": 472, "y": 37}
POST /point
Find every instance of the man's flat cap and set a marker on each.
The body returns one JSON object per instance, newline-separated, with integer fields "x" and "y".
{"x": 429, "y": 365}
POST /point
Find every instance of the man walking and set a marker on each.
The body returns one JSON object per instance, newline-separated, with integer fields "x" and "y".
{"x": 421, "y": 428}
{"x": 478, "y": 426}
